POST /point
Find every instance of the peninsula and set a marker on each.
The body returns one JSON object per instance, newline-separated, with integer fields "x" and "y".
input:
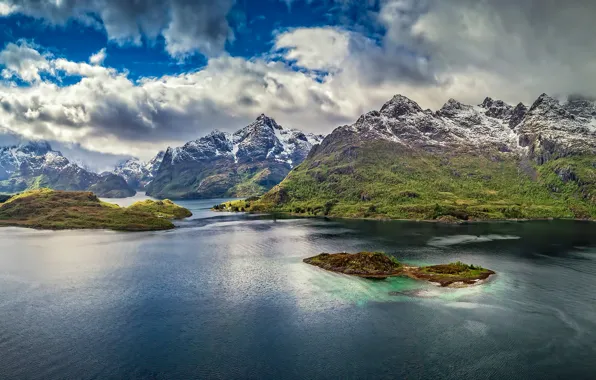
{"x": 59, "y": 210}
{"x": 378, "y": 265}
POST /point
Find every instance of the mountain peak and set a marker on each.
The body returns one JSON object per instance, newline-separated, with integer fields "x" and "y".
{"x": 517, "y": 115}
{"x": 217, "y": 134}
{"x": 454, "y": 104}
{"x": 38, "y": 147}
{"x": 268, "y": 121}
{"x": 496, "y": 108}
{"x": 400, "y": 105}
{"x": 452, "y": 108}
{"x": 487, "y": 103}
{"x": 544, "y": 101}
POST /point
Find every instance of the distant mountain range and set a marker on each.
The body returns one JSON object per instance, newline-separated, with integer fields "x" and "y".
{"x": 139, "y": 174}
{"x": 490, "y": 161}
{"x": 246, "y": 163}
{"x": 461, "y": 162}
{"x": 35, "y": 165}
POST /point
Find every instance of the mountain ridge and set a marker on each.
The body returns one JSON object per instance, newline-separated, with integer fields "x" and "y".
{"x": 488, "y": 161}
{"x": 34, "y": 164}
{"x": 138, "y": 174}
{"x": 247, "y": 162}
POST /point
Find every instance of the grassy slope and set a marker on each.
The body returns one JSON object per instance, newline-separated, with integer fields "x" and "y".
{"x": 448, "y": 274}
{"x": 376, "y": 181}
{"x": 455, "y": 270}
{"x": 163, "y": 209}
{"x": 49, "y": 209}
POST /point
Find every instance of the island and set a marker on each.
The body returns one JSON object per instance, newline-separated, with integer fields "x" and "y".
{"x": 59, "y": 210}
{"x": 378, "y": 265}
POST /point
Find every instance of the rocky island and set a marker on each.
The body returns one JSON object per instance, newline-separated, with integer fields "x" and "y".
{"x": 378, "y": 265}
{"x": 59, "y": 210}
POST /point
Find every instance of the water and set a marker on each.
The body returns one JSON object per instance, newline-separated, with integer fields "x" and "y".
{"x": 227, "y": 297}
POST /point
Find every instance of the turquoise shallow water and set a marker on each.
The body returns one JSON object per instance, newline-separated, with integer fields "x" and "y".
{"x": 227, "y": 296}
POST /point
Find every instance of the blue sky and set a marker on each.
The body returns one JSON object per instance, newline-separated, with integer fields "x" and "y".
{"x": 107, "y": 79}
{"x": 254, "y": 23}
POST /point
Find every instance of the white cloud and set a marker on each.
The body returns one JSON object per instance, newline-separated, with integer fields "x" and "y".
{"x": 82, "y": 69}
{"x": 6, "y": 9}
{"x": 107, "y": 111}
{"x": 98, "y": 58}
{"x": 21, "y": 60}
{"x": 315, "y": 48}
{"x": 188, "y": 26}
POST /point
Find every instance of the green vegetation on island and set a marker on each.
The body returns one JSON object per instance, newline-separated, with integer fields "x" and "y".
{"x": 163, "y": 209}
{"x": 363, "y": 264}
{"x": 450, "y": 274}
{"x": 376, "y": 180}
{"x": 57, "y": 210}
{"x": 379, "y": 265}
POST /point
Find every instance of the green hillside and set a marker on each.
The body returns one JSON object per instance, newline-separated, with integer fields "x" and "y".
{"x": 50, "y": 209}
{"x": 380, "y": 179}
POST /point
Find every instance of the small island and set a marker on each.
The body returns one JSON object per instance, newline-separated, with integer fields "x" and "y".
{"x": 378, "y": 265}
{"x": 60, "y": 210}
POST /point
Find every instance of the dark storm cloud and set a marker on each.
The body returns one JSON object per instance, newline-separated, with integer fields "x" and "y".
{"x": 187, "y": 25}
{"x": 538, "y": 45}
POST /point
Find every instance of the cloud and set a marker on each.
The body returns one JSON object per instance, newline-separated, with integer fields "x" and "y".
{"x": 109, "y": 112}
{"x": 23, "y": 61}
{"x": 197, "y": 26}
{"x": 315, "y": 48}
{"x": 509, "y": 48}
{"x": 81, "y": 68}
{"x": 188, "y": 26}
{"x": 98, "y": 58}
{"x": 6, "y": 9}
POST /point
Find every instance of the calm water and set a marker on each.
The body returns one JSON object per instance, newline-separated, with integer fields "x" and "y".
{"x": 227, "y": 296}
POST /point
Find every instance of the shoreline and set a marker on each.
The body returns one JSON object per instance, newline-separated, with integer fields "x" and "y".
{"x": 460, "y": 222}
{"x": 411, "y": 272}
{"x": 39, "y": 228}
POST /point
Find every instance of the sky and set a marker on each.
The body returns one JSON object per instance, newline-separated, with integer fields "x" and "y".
{"x": 103, "y": 80}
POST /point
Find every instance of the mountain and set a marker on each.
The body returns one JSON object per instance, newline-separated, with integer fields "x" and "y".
{"x": 34, "y": 165}
{"x": 246, "y": 163}
{"x": 490, "y": 161}
{"x": 139, "y": 174}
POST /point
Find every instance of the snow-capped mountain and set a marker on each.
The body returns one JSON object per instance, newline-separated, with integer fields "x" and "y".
{"x": 264, "y": 139}
{"x": 33, "y": 155}
{"x": 248, "y": 162}
{"x": 34, "y": 164}
{"x": 137, "y": 173}
{"x": 486, "y": 161}
{"x": 547, "y": 128}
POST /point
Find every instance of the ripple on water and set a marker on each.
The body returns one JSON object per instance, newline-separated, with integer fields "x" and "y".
{"x": 467, "y": 239}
